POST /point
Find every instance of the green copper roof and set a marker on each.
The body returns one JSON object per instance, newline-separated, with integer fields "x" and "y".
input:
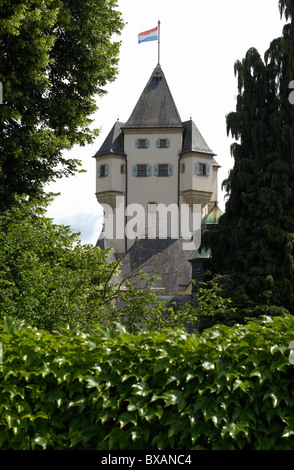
{"x": 203, "y": 254}
{"x": 213, "y": 216}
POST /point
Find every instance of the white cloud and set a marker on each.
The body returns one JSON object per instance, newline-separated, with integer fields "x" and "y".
{"x": 89, "y": 224}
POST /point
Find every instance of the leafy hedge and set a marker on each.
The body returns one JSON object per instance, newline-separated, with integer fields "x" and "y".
{"x": 227, "y": 388}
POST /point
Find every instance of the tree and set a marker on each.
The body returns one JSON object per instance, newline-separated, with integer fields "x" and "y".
{"x": 50, "y": 279}
{"x": 55, "y": 58}
{"x": 253, "y": 245}
{"x": 47, "y": 277}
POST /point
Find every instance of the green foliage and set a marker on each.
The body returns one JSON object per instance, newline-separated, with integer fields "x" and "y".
{"x": 228, "y": 388}
{"x": 254, "y": 241}
{"x": 49, "y": 279}
{"x": 56, "y": 58}
{"x": 138, "y": 310}
{"x": 141, "y": 310}
{"x": 212, "y": 308}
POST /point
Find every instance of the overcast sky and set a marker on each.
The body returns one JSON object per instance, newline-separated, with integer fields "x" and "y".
{"x": 200, "y": 42}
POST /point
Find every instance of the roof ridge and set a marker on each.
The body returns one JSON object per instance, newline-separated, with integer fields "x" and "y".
{"x": 155, "y": 106}
{"x": 113, "y": 142}
{"x": 193, "y": 140}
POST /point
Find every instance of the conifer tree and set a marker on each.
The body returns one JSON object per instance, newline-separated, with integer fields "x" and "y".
{"x": 253, "y": 246}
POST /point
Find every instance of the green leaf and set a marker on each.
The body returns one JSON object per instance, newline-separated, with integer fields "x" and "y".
{"x": 113, "y": 437}
{"x": 126, "y": 418}
{"x": 161, "y": 442}
{"x": 142, "y": 389}
{"x": 243, "y": 385}
{"x": 175, "y": 397}
{"x": 234, "y": 429}
{"x": 93, "y": 382}
{"x": 162, "y": 364}
{"x": 208, "y": 365}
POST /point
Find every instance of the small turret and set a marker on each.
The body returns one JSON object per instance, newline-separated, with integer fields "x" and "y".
{"x": 198, "y": 258}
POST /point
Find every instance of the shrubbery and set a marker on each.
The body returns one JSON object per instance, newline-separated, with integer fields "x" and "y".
{"x": 49, "y": 279}
{"x": 227, "y": 388}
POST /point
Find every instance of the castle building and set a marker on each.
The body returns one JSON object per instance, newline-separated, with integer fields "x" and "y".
{"x": 161, "y": 167}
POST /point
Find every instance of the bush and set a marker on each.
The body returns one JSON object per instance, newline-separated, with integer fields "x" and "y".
{"x": 49, "y": 279}
{"x": 212, "y": 307}
{"x": 227, "y": 388}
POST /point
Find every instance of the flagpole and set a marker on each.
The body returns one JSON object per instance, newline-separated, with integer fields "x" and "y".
{"x": 158, "y": 42}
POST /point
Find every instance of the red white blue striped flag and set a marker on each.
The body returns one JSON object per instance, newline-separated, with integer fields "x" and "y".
{"x": 150, "y": 35}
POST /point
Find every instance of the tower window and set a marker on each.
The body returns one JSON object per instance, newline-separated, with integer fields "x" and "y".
{"x": 142, "y": 143}
{"x": 202, "y": 169}
{"x": 163, "y": 143}
{"x": 163, "y": 170}
{"x": 141, "y": 170}
{"x": 102, "y": 170}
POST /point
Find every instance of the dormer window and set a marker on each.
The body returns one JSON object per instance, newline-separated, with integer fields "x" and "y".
{"x": 142, "y": 143}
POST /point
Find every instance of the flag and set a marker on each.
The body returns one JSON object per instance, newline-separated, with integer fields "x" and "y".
{"x": 150, "y": 35}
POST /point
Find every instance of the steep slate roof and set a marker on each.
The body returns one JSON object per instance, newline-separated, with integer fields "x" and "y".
{"x": 193, "y": 140}
{"x": 155, "y": 107}
{"x": 114, "y": 142}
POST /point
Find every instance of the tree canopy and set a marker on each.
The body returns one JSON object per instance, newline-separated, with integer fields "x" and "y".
{"x": 254, "y": 242}
{"x": 56, "y": 57}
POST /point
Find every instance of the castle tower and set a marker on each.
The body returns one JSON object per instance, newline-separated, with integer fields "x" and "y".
{"x": 162, "y": 167}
